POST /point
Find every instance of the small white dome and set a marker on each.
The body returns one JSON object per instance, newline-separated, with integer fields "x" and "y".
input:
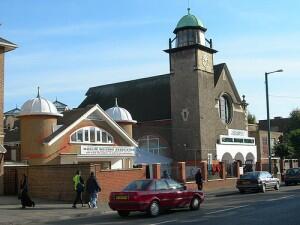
{"x": 119, "y": 114}
{"x": 39, "y": 106}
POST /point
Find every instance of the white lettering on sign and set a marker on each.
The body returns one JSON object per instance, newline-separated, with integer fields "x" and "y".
{"x": 123, "y": 151}
{"x": 234, "y": 132}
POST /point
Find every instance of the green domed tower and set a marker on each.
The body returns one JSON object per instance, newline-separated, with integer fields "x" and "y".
{"x": 192, "y": 87}
{"x": 189, "y": 31}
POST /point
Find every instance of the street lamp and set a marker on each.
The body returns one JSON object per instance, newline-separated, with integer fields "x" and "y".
{"x": 268, "y": 117}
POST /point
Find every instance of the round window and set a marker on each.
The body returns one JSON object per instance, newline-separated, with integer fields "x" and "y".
{"x": 225, "y": 109}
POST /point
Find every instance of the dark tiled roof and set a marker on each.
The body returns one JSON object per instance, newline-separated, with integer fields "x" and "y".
{"x": 147, "y": 99}
{"x": 13, "y": 112}
{"x": 68, "y": 118}
{"x": 12, "y": 135}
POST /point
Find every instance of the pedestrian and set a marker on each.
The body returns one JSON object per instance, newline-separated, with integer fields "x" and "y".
{"x": 79, "y": 188}
{"x": 166, "y": 175}
{"x": 93, "y": 187}
{"x": 199, "y": 180}
{"x": 23, "y": 194}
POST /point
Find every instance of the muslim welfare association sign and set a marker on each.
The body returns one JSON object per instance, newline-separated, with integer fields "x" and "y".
{"x": 107, "y": 151}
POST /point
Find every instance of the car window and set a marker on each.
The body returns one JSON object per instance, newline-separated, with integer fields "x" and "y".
{"x": 138, "y": 185}
{"x": 250, "y": 175}
{"x": 161, "y": 185}
{"x": 173, "y": 184}
{"x": 268, "y": 175}
{"x": 290, "y": 172}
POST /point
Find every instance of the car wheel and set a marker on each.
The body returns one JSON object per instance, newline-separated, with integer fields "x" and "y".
{"x": 263, "y": 188}
{"x": 242, "y": 191}
{"x": 195, "y": 203}
{"x": 123, "y": 213}
{"x": 277, "y": 186}
{"x": 154, "y": 209}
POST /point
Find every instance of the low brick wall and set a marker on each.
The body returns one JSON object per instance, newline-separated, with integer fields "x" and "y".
{"x": 212, "y": 185}
{"x": 55, "y": 182}
{"x": 116, "y": 180}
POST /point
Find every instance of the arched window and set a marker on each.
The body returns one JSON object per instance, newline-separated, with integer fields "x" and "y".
{"x": 225, "y": 109}
{"x": 92, "y": 135}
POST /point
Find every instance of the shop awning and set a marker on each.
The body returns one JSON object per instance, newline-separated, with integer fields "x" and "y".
{"x": 145, "y": 157}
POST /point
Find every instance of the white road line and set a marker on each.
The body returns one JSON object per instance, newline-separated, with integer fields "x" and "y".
{"x": 275, "y": 199}
{"x": 223, "y": 210}
{"x": 168, "y": 221}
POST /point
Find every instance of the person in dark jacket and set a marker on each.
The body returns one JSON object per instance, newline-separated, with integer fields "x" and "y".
{"x": 93, "y": 187}
{"x": 199, "y": 180}
{"x": 79, "y": 188}
{"x": 166, "y": 175}
{"x": 25, "y": 199}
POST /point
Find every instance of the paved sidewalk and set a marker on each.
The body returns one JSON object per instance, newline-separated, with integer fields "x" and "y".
{"x": 47, "y": 210}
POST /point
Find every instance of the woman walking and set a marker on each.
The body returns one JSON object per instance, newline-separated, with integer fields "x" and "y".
{"x": 25, "y": 199}
{"x": 92, "y": 187}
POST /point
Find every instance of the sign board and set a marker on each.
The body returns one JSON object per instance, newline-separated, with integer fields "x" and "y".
{"x": 107, "y": 151}
{"x": 240, "y": 133}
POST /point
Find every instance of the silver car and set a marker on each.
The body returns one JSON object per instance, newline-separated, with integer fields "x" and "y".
{"x": 259, "y": 181}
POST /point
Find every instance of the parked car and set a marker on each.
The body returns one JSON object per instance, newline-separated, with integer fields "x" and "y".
{"x": 292, "y": 175}
{"x": 153, "y": 195}
{"x": 259, "y": 181}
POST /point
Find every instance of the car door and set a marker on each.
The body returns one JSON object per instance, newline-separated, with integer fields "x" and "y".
{"x": 165, "y": 194}
{"x": 178, "y": 193}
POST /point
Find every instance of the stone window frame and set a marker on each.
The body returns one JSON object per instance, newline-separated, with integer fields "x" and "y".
{"x": 225, "y": 111}
{"x": 99, "y": 134}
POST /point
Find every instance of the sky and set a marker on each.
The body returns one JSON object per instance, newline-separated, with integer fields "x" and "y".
{"x": 65, "y": 47}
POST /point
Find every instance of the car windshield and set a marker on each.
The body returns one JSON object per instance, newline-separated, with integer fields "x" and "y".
{"x": 138, "y": 185}
{"x": 294, "y": 171}
{"x": 250, "y": 175}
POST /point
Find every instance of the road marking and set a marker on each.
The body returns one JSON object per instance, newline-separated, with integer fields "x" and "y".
{"x": 223, "y": 210}
{"x": 169, "y": 221}
{"x": 275, "y": 199}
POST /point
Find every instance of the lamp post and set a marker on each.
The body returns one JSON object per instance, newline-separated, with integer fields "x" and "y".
{"x": 268, "y": 117}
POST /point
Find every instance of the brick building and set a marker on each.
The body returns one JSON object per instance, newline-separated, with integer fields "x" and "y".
{"x": 5, "y": 46}
{"x": 195, "y": 112}
{"x": 83, "y": 135}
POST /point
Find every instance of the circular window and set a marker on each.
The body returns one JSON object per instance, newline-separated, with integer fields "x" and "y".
{"x": 225, "y": 109}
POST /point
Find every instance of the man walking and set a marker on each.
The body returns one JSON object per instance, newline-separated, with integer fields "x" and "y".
{"x": 78, "y": 187}
{"x": 92, "y": 188}
{"x": 199, "y": 180}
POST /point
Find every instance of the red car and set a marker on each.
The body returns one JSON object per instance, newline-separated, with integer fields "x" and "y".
{"x": 153, "y": 195}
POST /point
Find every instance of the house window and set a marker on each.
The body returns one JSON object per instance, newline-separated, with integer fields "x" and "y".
{"x": 91, "y": 135}
{"x": 225, "y": 109}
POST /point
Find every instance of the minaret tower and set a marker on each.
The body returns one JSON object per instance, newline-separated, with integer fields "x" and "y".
{"x": 192, "y": 83}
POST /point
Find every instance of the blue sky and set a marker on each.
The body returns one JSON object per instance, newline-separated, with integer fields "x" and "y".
{"x": 65, "y": 47}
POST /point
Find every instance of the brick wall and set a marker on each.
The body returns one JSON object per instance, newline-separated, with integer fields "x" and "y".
{"x": 116, "y": 180}
{"x": 214, "y": 184}
{"x": 55, "y": 182}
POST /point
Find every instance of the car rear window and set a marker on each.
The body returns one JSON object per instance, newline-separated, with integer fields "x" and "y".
{"x": 138, "y": 185}
{"x": 251, "y": 175}
{"x": 293, "y": 172}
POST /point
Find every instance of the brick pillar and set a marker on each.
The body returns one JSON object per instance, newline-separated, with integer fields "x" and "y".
{"x": 181, "y": 172}
{"x": 258, "y": 166}
{"x": 203, "y": 166}
{"x": 223, "y": 170}
{"x": 156, "y": 170}
{"x": 291, "y": 163}
{"x": 237, "y": 169}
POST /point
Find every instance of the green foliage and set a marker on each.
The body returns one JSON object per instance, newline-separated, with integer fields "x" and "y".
{"x": 294, "y": 119}
{"x": 251, "y": 118}
{"x": 283, "y": 150}
{"x": 294, "y": 142}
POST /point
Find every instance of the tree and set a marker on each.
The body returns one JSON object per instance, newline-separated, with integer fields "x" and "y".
{"x": 294, "y": 141}
{"x": 251, "y": 118}
{"x": 283, "y": 150}
{"x": 294, "y": 119}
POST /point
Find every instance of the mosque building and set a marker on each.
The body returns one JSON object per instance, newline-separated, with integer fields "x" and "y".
{"x": 193, "y": 113}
